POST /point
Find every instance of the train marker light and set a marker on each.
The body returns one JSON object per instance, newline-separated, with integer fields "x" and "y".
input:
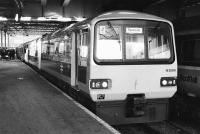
{"x": 168, "y": 81}
{"x": 100, "y": 83}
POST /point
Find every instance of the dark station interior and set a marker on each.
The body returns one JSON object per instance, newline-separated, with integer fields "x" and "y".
{"x": 99, "y": 66}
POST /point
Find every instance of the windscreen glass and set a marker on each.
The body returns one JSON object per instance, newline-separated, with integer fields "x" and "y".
{"x": 132, "y": 40}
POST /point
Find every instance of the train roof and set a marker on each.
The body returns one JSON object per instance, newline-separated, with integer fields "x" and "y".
{"x": 119, "y": 14}
{"x": 127, "y": 14}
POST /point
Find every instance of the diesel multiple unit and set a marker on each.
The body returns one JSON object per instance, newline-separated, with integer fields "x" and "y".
{"x": 121, "y": 65}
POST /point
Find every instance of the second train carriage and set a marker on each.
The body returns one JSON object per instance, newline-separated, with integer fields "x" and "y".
{"x": 189, "y": 64}
{"x": 122, "y": 64}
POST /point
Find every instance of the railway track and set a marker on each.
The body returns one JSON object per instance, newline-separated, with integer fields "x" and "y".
{"x": 166, "y": 127}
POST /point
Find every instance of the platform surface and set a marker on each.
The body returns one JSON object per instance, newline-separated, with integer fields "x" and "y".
{"x": 30, "y": 105}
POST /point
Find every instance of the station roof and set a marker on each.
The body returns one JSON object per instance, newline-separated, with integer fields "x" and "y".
{"x": 13, "y": 13}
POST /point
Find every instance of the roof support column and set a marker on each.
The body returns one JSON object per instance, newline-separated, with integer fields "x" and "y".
{"x": 5, "y": 37}
{"x": 1, "y": 38}
{"x": 65, "y": 2}
{"x": 8, "y": 40}
{"x": 43, "y": 4}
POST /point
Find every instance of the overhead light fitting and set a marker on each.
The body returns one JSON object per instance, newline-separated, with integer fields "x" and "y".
{"x": 16, "y": 17}
{"x": 79, "y": 18}
{"x": 3, "y": 18}
{"x": 66, "y": 2}
{"x": 25, "y": 18}
{"x": 62, "y": 19}
{"x": 41, "y": 18}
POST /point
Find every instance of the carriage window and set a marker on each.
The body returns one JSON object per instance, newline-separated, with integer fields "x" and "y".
{"x": 32, "y": 48}
{"x": 56, "y": 47}
{"x": 62, "y": 47}
{"x": 196, "y": 53}
{"x": 68, "y": 45}
{"x": 190, "y": 50}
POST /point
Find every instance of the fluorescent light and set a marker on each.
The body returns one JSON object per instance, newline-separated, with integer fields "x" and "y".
{"x": 79, "y": 18}
{"x": 63, "y": 19}
{"x": 3, "y": 18}
{"x": 41, "y": 18}
{"x": 16, "y": 17}
{"x": 25, "y": 18}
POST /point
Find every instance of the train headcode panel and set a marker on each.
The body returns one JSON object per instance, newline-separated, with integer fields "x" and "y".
{"x": 121, "y": 65}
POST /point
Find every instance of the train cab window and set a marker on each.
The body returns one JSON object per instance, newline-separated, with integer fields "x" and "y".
{"x": 159, "y": 42}
{"x": 109, "y": 41}
{"x": 130, "y": 41}
{"x": 134, "y": 44}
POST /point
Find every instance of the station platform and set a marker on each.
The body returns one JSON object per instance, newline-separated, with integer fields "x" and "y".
{"x": 29, "y": 104}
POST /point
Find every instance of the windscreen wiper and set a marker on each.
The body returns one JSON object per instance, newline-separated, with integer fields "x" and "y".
{"x": 116, "y": 35}
{"x": 112, "y": 28}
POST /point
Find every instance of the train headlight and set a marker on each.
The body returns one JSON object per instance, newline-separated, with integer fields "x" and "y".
{"x": 168, "y": 81}
{"x": 164, "y": 82}
{"x": 100, "y": 83}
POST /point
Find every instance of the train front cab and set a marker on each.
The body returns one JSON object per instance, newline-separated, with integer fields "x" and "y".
{"x": 131, "y": 69}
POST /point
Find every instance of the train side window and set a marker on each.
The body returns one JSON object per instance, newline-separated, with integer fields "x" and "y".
{"x": 56, "y": 48}
{"x": 44, "y": 50}
{"x": 188, "y": 50}
{"x": 32, "y": 48}
{"x": 68, "y": 46}
{"x": 61, "y": 48}
{"x": 196, "y": 53}
{"x": 50, "y": 49}
{"x": 84, "y": 45}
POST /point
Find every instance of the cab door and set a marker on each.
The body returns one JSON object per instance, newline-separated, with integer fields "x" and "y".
{"x": 74, "y": 60}
{"x": 82, "y": 58}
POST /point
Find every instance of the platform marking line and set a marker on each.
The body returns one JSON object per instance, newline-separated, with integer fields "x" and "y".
{"x": 109, "y": 127}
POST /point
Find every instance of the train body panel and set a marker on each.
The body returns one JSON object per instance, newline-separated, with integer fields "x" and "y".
{"x": 56, "y": 69}
{"x": 132, "y": 79}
